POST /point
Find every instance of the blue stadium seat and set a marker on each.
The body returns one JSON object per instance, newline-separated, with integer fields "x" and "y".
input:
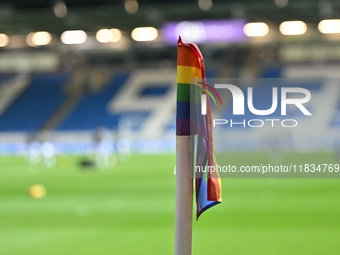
{"x": 91, "y": 112}
{"x": 36, "y": 104}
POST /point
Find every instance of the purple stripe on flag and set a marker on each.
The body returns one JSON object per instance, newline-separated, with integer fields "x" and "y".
{"x": 183, "y": 127}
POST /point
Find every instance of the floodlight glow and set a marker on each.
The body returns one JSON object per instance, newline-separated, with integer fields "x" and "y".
{"x": 131, "y": 6}
{"x": 281, "y": 3}
{"x": 41, "y": 38}
{"x": 29, "y": 40}
{"x": 60, "y": 9}
{"x": 116, "y": 35}
{"x": 329, "y": 26}
{"x": 108, "y": 35}
{"x": 255, "y": 29}
{"x": 293, "y": 28}
{"x": 144, "y": 34}
{"x": 205, "y": 5}
{"x": 3, "y": 40}
{"x": 73, "y": 37}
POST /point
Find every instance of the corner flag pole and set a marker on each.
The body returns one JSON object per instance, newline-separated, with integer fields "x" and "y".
{"x": 184, "y": 195}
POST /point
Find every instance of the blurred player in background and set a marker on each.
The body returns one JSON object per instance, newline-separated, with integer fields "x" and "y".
{"x": 48, "y": 154}
{"x": 103, "y": 147}
{"x": 124, "y": 138}
{"x": 41, "y": 150}
{"x": 33, "y": 150}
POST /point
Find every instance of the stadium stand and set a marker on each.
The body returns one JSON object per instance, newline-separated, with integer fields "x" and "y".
{"x": 91, "y": 112}
{"x": 145, "y": 99}
{"x": 10, "y": 88}
{"x": 35, "y": 104}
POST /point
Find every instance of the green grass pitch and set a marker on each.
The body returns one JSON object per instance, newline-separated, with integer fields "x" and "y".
{"x": 129, "y": 209}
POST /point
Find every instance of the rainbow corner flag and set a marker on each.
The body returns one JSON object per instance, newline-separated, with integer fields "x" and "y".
{"x": 190, "y": 65}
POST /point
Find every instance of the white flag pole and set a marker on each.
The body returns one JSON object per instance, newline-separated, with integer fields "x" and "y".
{"x": 184, "y": 195}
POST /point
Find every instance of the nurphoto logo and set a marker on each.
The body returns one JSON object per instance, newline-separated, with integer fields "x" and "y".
{"x": 290, "y": 96}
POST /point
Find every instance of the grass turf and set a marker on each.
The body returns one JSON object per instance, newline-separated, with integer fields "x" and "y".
{"x": 129, "y": 209}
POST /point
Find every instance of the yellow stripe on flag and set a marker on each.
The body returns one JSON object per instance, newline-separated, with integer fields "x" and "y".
{"x": 185, "y": 73}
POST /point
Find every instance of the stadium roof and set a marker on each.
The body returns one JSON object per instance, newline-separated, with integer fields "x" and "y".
{"x": 22, "y": 16}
